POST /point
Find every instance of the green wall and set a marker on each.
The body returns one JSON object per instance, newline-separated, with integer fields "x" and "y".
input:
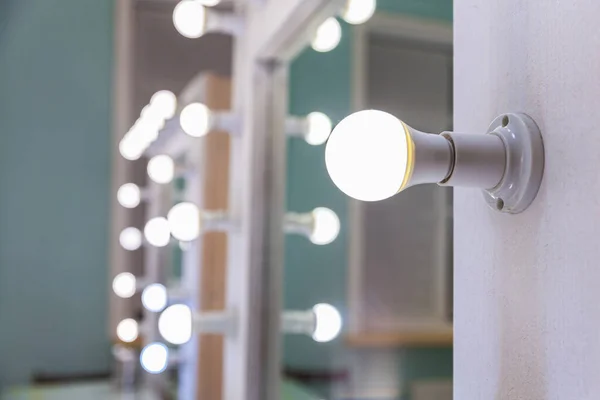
{"x": 318, "y": 273}
{"x": 55, "y": 79}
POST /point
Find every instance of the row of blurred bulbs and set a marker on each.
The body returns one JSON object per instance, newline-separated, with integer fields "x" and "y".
{"x": 192, "y": 20}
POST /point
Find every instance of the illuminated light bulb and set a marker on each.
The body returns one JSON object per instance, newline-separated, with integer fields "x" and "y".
{"x": 184, "y": 221}
{"x": 154, "y": 297}
{"x": 328, "y": 36}
{"x": 195, "y": 119}
{"x": 127, "y": 330}
{"x": 163, "y": 104}
{"x": 157, "y": 232}
{"x": 328, "y": 323}
{"x": 359, "y": 11}
{"x": 326, "y": 226}
{"x": 319, "y": 128}
{"x": 129, "y": 195}
{"x": 175, "y": 324}
{"x": 130, "y": 238}
{"x": 131, "y": 148}
{"x": 154, "y": 358}
{"x": 209, "y": 3}
{"x": 161, "y": 169}
{"x": 124, "y": 285}
{"x": 189, "y": 18}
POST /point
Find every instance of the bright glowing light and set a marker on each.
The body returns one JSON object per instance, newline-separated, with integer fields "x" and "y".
{"x": 189, "y": 18}
{"x": 328, "y": 36}
{"x": 154, "y": 297}
{"x": 131, "y": 147}
{"x": 124, "y": 285}
{"x": 157, "y": 232}
{"x": 129, "y": 195}
{"x": 163, "y": 104}
{"x": 127, "y": 330}
{"x": 319, "y": 128}
{"x": 154, "y": 358}
{"x": 175, "y": 324}
{"x": 326, "y": 226}
{"x": 359, "y": 11}
{"x": 209, "y": 3}
{"x": 195, "y": 119}
{"x": 379, "y": 141}
{"x": 130, "y": 238}
{"x": 184, "y": 221}
{"x": 329, "y": 322}
{"x": 161, "y": 169}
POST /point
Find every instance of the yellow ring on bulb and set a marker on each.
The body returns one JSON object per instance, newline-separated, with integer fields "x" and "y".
{"x": 410, "y": 158}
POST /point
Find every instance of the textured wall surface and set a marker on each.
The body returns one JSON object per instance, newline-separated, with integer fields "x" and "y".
{"x": 526, "y": 286}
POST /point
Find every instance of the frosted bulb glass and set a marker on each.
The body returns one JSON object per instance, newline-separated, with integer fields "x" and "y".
{"x": 195, "y": 119}
{"x": 319, "y": 128}
{"x": 154, "y": 358}
{"x": 326, "y": 226}
{"x": 328, "y": 36}
{"x": 131, "y": 147}
{"x": 189, "y": 18}
{"x": 163, "y": 104}
{"x": 124, "y": 285}
{"x": 359, "y": 11}
{"x": 127, "y": 330}
{"x": 184, "y": 221}
{"x": 129, "y": 195}
{"x": 161, "y": 169}
{"x": 175, "y": 324}
{"x": 328, "y": 322}
{"x": 154, "y": 297}
{"x": 209, "y": 3}
{"x": 157, "y": 232}
{"x": 367, "y": 155}
{"x": 130, "y": 238}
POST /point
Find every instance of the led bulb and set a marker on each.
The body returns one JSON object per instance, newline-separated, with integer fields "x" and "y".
{"x": 130, "y": 238}
{"x": 124, "y": 285}
{"x": 131, "y": 147}
{"x": 129, "y": 195}
{"x": 328, "y": 322}
{"x": 175, "y": 324}
{"x": 319, "y": 128}
{"x": 154, "y": 297}
{"x": 328, "y": 36}
{"x": 368, "y": 155}
{"x": 163, "y": 105}
{"x": 195, "y": 119}
{"x": 157, "y": 232}
{"x": 189, "y": 18}
{"x": 359, "y": 11}
{"x": 154, "y": 358}
{"x": 161, "y": 169}
{"x": 184, "y": 221}
{"x": 127, "y": 330}
{"x": 326, "y": 226}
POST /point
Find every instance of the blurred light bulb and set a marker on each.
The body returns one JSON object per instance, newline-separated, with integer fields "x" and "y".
{"x": 209, "y": 3}
{"x": 195, "y": 119}
{"x": 154, "y": 297}
{"x": 163, "y": 105}
{"x": 328, "y": 322}
{"x": 129, "y": 195}
{"x": 359, "y": 11}
{"x": 154, "y": 358}
{"x": 326, "y": 226}
{"x": 127, "y": 330}
{"x": 130, "y": 238}
{"x": 184, "y": 221}
{"x": 328, "y": 36}
{"x": 189, "y": 18}
{"x": 319, "y": 128}
{"x": 124, "y": 285}
{"x": 157, "y": 232}
{"x": 175, "y": 324}
{"x": 161, "y": 169}
{"x": 381, "y": 143}
{"x": 130, "y": 147}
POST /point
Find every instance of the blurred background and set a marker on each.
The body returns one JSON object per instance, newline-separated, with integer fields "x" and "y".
{"x": 78, "y": 257}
